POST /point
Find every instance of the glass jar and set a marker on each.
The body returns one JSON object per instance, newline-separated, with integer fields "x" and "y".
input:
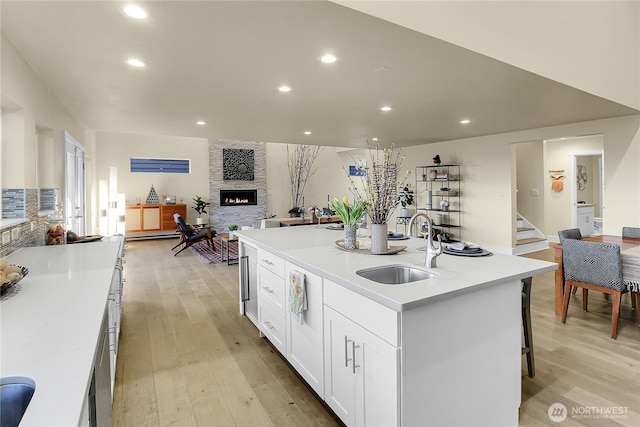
{"x": 55, "y": 233}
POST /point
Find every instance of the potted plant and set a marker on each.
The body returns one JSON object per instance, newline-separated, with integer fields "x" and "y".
{"x": 232, "y": 228}
{"x": 405, "y": 197}
{"x": 200, "y": 206}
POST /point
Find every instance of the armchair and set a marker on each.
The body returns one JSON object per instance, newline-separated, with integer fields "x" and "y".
{"x": 189, "y": 235}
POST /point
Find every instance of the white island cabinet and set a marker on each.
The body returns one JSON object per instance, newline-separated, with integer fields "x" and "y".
{"x": 444, "y": 351}
{"x": 60, "y": 328}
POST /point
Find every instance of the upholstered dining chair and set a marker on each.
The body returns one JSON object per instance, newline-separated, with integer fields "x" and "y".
{"x": 189, "y": 235}
{"x": 527, "y": 347}
{"x": 570, "y": 233}
{"x": 633, "y": 232}
{"x": 596, "y": 266}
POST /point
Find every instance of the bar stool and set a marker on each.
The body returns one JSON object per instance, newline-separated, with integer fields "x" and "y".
{"x": 526, "y": 324}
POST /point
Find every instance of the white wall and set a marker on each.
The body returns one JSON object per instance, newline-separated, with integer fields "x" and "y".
{"x": 573, "y": 42}
{"x": 116, "y": 149}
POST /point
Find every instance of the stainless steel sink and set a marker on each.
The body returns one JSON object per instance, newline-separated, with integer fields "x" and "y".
{"x": 396, "y": 274}
{"x": 15, "y": 396}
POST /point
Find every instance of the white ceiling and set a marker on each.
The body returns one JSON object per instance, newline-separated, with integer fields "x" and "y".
{"x": 222, "y": 62}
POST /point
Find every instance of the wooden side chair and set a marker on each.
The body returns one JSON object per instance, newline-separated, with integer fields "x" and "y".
{"x": 190, "y": 235}
{"x": 596, "y": 266}
{"x": 633, "y": 232}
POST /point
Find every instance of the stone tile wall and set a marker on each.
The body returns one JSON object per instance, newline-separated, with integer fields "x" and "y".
{"x": 221, "y": 216}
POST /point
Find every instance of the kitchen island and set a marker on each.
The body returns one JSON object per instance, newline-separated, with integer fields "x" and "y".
{"x": 440, "y": 351}
{"x": 58, "y": 323}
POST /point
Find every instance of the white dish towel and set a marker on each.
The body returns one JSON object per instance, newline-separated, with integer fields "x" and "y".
{"x": 297, "y": 295}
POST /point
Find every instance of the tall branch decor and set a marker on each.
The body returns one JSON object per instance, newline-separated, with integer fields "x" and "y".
{"x": 381, "y": 183}
{"x": 301, "y": 164}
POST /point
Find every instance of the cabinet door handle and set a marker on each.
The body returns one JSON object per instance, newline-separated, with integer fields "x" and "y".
{"x": 353, "y": 353}
{"x": 269, "y": 325}
{"x": 244, "y": 271}
{"x": 268, "y": 289}
{"x": 346, "y": 351}
{"x": 266, "y": 261}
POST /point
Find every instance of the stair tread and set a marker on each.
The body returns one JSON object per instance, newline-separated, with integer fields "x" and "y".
{"x": 530, "y": 240}
{"x": 525, "y": 228}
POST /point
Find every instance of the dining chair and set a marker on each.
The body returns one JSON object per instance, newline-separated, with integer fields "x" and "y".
{"x": 633, "y": 232}
{"x": 190, "y": 235}
{"x": 596, "y": 266}
{"x": 570, "y": 233}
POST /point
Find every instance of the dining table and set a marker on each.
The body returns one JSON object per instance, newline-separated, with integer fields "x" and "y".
{"x": 629, "y": 253}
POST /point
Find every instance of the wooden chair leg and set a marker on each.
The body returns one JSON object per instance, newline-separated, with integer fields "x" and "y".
{"x": 574, "y": 290}
{"x": 617, "y": 297}
{"x": 637, "y": 304}
{"x": 565, "y": 300}
{"x": 585, "y": 298}
{"x": 633, "y": 300}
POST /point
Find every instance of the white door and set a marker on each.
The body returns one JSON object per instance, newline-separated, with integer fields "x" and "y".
{"x": 339, "y": 392}
{"x": 377, "y": 383}
{"x": 74, "y": 185}
{"x": 305, "y": 341}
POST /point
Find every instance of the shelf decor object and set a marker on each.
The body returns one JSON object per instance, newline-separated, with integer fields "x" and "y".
{"x": 152, "y": 198}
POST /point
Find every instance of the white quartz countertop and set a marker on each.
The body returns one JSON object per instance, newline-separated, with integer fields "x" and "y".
{"x": 50, "y": 324}
{"x": 314, "y": 248}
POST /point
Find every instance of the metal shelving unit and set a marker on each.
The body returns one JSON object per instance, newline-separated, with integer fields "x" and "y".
{"x": 438, "y": 195}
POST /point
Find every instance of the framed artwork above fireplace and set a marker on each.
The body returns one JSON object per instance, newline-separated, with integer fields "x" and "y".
{"x": 237, "y": 164}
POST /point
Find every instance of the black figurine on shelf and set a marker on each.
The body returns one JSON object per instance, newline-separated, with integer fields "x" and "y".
{"x": 436, "y": 159}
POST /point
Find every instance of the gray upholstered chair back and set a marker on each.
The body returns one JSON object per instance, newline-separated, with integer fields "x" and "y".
{"x": 595, "y": 263}
{"x": 571, "y": 233}
{"x": 631, "y": 232}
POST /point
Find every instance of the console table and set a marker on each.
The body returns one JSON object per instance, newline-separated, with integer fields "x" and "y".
{"x": 295, "y": 222}
{"x": 152, "y": 218}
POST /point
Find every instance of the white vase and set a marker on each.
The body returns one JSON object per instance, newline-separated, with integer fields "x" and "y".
{"x": 405, "y": 213}
{"x": 231, "y": 234}
{"x": 201, "y": 221}
{"x": 379, "y": 238}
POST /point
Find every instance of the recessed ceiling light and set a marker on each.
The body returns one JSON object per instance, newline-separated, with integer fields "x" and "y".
{"x": 284, "y": 89}
{"x": 328, "y": 59}
{"x": 465, "y": 122}
{"x": 135, "y": 62}
{"x": 201, "y": 123}
{"x": 307, "y": 132}
{"x": 135, "y": 12}
{"x": 374, "y": 139}
{"x": 385, "y": 108}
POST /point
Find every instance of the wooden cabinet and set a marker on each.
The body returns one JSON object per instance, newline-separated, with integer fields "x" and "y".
{"x": 362, "y": 371}
{"x": 272, "y": 299}
{"x": 152, "y": 218}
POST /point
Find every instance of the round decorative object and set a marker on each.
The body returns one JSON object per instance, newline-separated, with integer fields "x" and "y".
{"x": 582, "y": 177}
{"x": 242, "y": 168}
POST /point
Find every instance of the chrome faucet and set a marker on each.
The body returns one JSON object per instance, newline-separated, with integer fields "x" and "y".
{"x": 431, "y": 253}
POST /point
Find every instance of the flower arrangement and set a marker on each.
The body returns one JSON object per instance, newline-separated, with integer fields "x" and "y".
{"x": 314, "y": 210}
{"x": 349, "y": 214}
{"x": 381, "y": 183}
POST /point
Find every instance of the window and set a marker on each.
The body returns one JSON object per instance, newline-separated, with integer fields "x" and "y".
{"x": 160, "y": 165}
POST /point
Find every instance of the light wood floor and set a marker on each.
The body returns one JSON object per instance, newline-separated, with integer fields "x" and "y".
{"x": 187, "y": 358}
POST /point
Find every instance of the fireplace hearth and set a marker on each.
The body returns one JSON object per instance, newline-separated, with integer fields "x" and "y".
{"x": 238, "y": 197}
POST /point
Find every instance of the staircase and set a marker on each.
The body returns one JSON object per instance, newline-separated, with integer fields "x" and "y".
{"x": 529, "y": 238}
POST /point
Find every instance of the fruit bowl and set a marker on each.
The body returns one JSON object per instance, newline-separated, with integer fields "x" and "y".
{"x": 9, "y": 280}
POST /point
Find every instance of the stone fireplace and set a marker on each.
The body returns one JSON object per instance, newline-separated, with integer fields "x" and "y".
{"x": 238, "y": 198}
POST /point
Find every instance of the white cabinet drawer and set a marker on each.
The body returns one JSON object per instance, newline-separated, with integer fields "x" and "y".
{"x": 272, "y": 289}
{"x": 378, "y": 319}
{"x": 272, "y": 325}
{"x": 271, "y": 262}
